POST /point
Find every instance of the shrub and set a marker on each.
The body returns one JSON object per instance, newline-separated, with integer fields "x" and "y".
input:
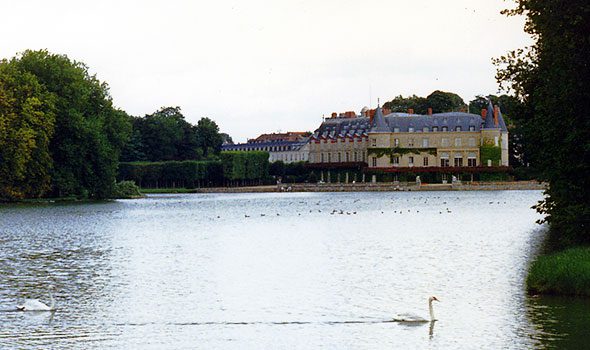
{"x": 566, "y": 273}
{"x": 126, "y": 190}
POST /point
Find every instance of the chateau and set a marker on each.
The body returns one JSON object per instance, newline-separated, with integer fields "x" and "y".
{"x": 381, "y": 141}
{"x": 378, "y": 141}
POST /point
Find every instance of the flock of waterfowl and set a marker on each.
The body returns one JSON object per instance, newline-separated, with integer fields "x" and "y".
{"x": 349, "y": 211}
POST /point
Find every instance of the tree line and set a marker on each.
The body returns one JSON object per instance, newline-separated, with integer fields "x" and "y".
{"x": 61, "y": 136}
{"x": 165, "y": 135}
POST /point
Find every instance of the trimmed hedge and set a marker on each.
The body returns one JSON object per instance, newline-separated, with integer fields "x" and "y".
{"x": 234, "y": 168}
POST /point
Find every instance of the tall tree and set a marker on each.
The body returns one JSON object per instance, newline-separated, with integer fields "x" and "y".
{"x": 89, "y": 132}
{"x": 161, "y": 131}
{"x": 27, "y": 117}
{"x": 208, "y": 138}
{"x": 550, "y": 79}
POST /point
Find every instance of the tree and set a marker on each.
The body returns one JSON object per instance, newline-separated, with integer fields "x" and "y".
{"x": 89, "y": 132}
{"x": 402, "y": 104}
{"x": 549, "y": 78}
{"x": 226, "y": 139}
{"x": 134, "y": 148}
{"x": 208, "y": 138}
{"x": 441, "y": 101}
{"x": 27, "y": 118}
{"x": 166, "y": 135}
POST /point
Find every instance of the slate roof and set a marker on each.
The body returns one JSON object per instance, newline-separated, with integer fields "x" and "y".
{"x": 343, "y": 127}
{"x": 489, "y": 123}
{"x": 294, "y": 145}
{"x": 379, "y": 124}
{"x": 402, "y": 122}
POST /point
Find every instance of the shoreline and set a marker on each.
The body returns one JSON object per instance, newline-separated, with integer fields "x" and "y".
{"x": 361, "y": 187}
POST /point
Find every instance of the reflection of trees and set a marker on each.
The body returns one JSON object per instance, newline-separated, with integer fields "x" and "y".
{"x": 560, "y": 322}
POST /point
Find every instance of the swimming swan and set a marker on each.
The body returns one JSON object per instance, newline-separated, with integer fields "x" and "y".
{"x": 410, "y": 318}
{"x": 36, "y": 305}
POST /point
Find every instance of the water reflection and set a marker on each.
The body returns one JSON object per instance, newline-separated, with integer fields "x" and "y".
{"x": 560, "y": 322}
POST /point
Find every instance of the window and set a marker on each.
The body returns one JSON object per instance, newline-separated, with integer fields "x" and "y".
{"x": 444, "y": 142}
{"x": 339, "y": 157}
{"x": 444, "y": 159}
{"x": 410, "y": 142}
{"x": 424, "y": 142}
{"x": 471, "y": 128}
{"x": 410, "y": 129}
{"x": 396, "y": 142}
{"x": 425, "y": 161}
{"x": 322, "y": 157}
{"x": 395, "y": 160}
{"x": 411, "y": 161}
{"x": 471, "y": 142}
{"x": 395, "y": 129}
{"x": 425, "y": 129}
{"x": 355, "y": 155}
{"x": 435, "y": 129}
{"x": 347, "y": 157}
{"x": 457, "y": 128}
{"x": 374, "y": 161}
{"x": 329, "y": 157}
{"x": 363, "y": 155}
{"x": 458, "y": 142}
{"x": 458, "y": 160}
{"x": 444, "y": 129}
{"x": 373, "y": 142}
{"x": 471, "y": 159}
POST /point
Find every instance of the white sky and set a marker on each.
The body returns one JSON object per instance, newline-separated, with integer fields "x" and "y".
{"x": 263, "y": 66}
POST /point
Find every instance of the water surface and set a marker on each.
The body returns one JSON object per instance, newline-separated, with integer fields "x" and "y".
{"x": 251, "y": 271}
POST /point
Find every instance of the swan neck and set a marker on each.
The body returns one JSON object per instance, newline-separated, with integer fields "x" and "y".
{"x": 51, "y": 300}
{"x": 430, "y": 309}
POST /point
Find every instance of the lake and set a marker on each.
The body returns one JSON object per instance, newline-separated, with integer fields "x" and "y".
{"x": 280, "y": 271}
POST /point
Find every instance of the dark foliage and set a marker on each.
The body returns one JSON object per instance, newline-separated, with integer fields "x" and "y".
{"x": 550, "y": 79}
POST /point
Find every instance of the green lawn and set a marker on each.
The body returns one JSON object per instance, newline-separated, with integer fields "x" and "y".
{"x": 564, "y": 273}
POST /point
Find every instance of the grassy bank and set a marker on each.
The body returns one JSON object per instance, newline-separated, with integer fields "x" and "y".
{"x": 564, "y": 273}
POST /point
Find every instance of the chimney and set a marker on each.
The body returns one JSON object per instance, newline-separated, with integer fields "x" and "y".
{"x": 496, "y": 112}
{"x": 429, "y": 111}
{"x": 484, "y": 113}
{"x": 371, "y": 114}
{"x": 334, "y": 114}
{"x": 410, "y": 110}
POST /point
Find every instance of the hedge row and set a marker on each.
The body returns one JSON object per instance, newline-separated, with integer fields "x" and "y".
{"x": 234, "y": 168}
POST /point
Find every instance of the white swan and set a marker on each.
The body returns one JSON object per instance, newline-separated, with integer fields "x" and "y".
{"x": 36, "y": 305}
{"x": 411, "y": 318}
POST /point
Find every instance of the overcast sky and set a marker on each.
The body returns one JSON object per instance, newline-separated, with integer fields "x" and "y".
{"x": 263, "y": 66}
